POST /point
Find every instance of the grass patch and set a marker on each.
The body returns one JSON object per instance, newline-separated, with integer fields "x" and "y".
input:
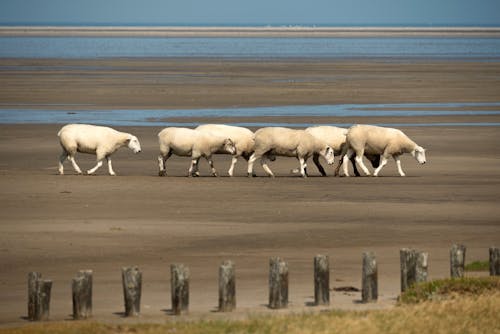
{"x": 478, "y": 266}
{"x": 467, "y": 314}
{"x": 449, "y": 288}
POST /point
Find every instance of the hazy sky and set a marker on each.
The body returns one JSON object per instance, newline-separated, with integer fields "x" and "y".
{"x": 251, "y": 12}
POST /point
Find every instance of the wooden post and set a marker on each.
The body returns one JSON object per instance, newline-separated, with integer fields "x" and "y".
{"x": 44, "y": 288}
{"x": 278, "y": 283}
{"x": 132, "y": 289}
{"x": 413, "y": 267}
{"x": 494, "y": 261}
{"x": 179, "y": 288}
{"x": 33, "y": 277}
{"x": 408, "y": 266}
{"x": 321, "y": 280}
{"x": 457, "y": 261}
{"x": 38, "y": 297}
{"x": 369, "y": 291}
{"x": 82, "y": 295}
{"x": 227, "y": 287}
{"x": 421, "y": 266}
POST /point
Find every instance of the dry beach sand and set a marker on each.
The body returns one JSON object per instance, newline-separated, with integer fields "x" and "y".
{"x": 60, "y": 224}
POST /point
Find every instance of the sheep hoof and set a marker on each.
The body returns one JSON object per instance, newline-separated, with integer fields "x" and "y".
{"x": 162, "y": 173}
{"x": 215, "y": 175}
{"x": 251, "y": 175}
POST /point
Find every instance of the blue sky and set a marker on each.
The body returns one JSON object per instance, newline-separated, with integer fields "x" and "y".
{"x": 251, "y": 12}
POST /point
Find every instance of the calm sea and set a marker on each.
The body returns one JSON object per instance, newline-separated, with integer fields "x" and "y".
{"x": 140, "y": 117}
{"x": 486, "y": 49}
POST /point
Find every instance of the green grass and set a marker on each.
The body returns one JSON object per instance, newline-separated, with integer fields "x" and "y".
{"x": 448, "y": 288}
{"x": 478, "y": 266}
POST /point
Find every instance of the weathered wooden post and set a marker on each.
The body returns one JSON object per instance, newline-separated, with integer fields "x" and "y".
{"x": 278, "y": 283}
{"x": 408, "y": 266}
{"x": 413, "y": 267}
{"x": 179, "y": 288}
{"x": 227, "y": 287}
{"x": 369, "y": 281}
{"x": 82, "y": 295}
{"x": 494, "y": 261}
{"x": 457, "y": 261}
{"x": 421, "y": 266}
{"x": 132, "y": 289}
{"x": 321, "y": 280}
{"x": 33, "y": 277}
{"x": 44, "y": 287}
{"x": 38, "y": 297}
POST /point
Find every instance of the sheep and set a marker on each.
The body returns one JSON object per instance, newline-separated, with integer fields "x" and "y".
{"x": 242, "y": 138}
{"x": 335, "y": 137}
{"x": 379, "y": 140}
{"x": 278, "y": 141}
{"x": 99, "y": 140}
{"x": 191, "y": 143}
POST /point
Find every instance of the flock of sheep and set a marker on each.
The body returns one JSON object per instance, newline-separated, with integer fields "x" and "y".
{"x": 375, "y": 143}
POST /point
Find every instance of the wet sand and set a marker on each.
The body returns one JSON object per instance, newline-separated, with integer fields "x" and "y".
{"x": 60, "y": 224}
{"x": 204, "y": 83}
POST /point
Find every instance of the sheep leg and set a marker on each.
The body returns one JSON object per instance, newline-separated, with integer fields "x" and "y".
{"x": 318, "y": 165}
{"x": 75, "y": 166}
{"x": 233, "y": 162}
{"x": 359, "y": 161}
{"x": 251, "y": 161}
{"x": 337, "y": 169}
{"x": 398, "y": 164}
{"x": 161, "y": 166}
{"x": 62, "y": 158}
{"x": 110, "y": 167}
{"x": 355, "y": 169}
{"x": 211, "y": 163}
{"x": 193, "y": 168}
{"x": 382, "y": 163}
{"x": 99, "y": 164}
{"x": 263, "y": 162}
{"x": 303, "y": 167}
{"x": 345, "y": 161}
{"x": 162, "y": 163}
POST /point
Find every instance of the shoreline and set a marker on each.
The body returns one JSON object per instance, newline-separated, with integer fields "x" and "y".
{"x": 299, "y": 31}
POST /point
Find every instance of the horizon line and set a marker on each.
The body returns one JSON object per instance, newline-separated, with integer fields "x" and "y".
{"x": 247, "y": 31}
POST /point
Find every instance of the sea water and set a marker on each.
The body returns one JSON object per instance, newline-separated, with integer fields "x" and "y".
{"x": 486, "y": 49}
{"x": 146, "y": 117}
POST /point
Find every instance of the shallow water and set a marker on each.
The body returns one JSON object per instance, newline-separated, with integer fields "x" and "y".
{"x": 161, "y": 117}
{"x": 487, "y": 49}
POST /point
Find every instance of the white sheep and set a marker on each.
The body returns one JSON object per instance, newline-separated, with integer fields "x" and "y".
{"x": 242, "y": 138}
{"x": 99, "y": 140}
{"x": 376, "y": 140}
{"x": 191, "y": 143}
{"x": 278, "y": 141}
{"x": 335, "y": 137}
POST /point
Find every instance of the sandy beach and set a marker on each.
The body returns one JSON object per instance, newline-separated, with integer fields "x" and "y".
{"x": 58, "y": 225}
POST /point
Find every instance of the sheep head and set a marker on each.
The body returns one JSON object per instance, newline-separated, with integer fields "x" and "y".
{"x": 419, "y": 154}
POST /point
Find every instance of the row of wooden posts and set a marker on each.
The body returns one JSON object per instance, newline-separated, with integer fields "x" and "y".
{"x": 413, "y": 270}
